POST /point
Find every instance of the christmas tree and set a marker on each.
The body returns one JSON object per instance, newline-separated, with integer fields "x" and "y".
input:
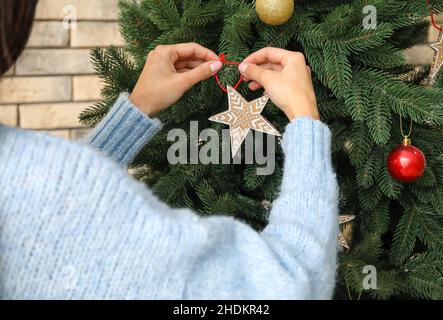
{"x": 364, "y": 87}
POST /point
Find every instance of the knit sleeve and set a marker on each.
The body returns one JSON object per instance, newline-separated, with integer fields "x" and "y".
{"x": 303, "y": 225}
{"x": 295, "y": 255}
{"x": 124, "y": 131}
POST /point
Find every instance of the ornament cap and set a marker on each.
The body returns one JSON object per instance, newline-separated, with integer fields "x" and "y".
{"x": 407, "y": 141}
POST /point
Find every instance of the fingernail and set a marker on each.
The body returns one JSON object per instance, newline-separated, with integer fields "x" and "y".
{"x": 242, "y": 67}
{"x": 216, "y": 66}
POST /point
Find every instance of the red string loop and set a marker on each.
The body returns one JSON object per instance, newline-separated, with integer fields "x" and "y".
{"x": 428, "y": 2}
{"x": 217, "y": 78}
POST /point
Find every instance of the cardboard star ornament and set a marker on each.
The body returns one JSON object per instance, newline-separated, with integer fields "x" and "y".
{"x": 243, "y": 116}
{"x": 342, "y": 220}
{"x": 438, "y": 56}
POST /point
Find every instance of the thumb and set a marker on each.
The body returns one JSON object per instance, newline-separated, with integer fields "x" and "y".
{"x": 252, "y": 72}
{"x": 202, "y": 72}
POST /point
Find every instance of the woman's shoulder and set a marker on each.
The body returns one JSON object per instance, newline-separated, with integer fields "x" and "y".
{"x": 38, "y": 165}
{"x": 42, "y": 151}
{"x": 7, "y": 134}
{"x": 20, "y": 140}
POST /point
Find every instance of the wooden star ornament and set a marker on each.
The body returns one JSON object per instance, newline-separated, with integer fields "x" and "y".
{"x": 243, "y": 116}
{"x": 438, "y": 56}
{"x": 342, "y": 220}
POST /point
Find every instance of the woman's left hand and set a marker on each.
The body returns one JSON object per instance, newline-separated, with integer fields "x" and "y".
{"x": 170, "y": 71}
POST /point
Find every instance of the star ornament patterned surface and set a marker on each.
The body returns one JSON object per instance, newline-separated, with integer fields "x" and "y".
{"x": 438, "y": 56}
{"x": 342, "y": 220}
{"x": 243, "y": 116}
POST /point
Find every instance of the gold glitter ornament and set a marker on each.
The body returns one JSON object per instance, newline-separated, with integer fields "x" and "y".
{"x": 274, "y": 12}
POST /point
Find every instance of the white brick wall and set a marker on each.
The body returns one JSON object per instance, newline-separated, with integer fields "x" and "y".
{"x": 86, "y": 88}
{"x": 85, "y": 9}
{"x": 95, "y": 34}
{"x": 40, "y": 116}
{"x": 48, "y": 34}
{"x": 8, "y": 115}
{"x": 54, "y": 80}
{"x": 53, "y": 62}
{"x": 34, "y": 89}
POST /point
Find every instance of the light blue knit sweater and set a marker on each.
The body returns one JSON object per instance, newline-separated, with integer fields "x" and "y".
{"x": 75, "y": 225}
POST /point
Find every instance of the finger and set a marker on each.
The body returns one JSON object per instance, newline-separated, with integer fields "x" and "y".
{"x": 188, "y": 63}
{"x": 296, "y": 62}
{"x": 183, "y": 51}
{"x": 183, "y": 70}
{"x": 268, "y": 66}
{"x": 200, "y": 73}
{"x": 271, "y": 66}
{"x": 254, "y": 85}
{"x": 309, "y": 72}
{"x": 253, "y": 72}
{"x": 266, "y": 55}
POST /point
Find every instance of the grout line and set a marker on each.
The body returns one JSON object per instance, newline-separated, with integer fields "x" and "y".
{"x": 78, "y": 20}
{"x": 38, "y": 103}
{"x": 72, "y": 48}
{"x": 72, "y": 88}
{"x": 47, "y": 75}
{"x": 70, "y": 38}
{"x": 62, "y": 128}
{"x": 18, "y": 115}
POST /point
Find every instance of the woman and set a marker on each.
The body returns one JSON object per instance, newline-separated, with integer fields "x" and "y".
{"x": 75, "y": 225}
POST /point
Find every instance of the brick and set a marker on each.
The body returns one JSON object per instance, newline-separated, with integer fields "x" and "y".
{"x": 34, "y": 89}
{"x": 84, "y": 9}
{"x": 64, "y": 134}
{"x": 48, "y": 34}
{"x": 419, "y": 55}
{"x": 8, "y": 115}
{"x": 54, "y": 61}
{"x": 78, "y": 134}
{"x": 96, "y": 34}
{"x": 11, "y": 71}
{"x": 50, "y": 116}
{"x": 86, "y": 88}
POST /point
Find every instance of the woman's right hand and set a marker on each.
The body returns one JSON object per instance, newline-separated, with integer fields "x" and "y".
{"x": 170, "y": 71}
{"x": 286, "y": 79}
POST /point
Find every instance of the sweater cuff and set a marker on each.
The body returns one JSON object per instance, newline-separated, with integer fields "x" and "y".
{"x": 124, "y": 131}
{"x": 307, "y": 148}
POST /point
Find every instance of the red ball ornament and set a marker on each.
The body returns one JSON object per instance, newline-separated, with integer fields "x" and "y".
{"x": 406, "y": 163}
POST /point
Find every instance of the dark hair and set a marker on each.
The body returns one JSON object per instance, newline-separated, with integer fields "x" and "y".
{"x": 16, "y": 17}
